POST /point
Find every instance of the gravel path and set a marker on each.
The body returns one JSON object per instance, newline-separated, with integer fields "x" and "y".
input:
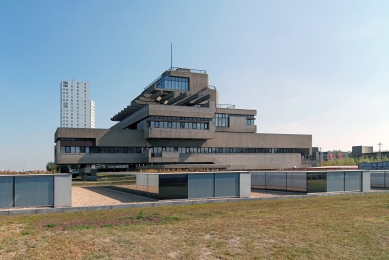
{"x": 98, "y": 196}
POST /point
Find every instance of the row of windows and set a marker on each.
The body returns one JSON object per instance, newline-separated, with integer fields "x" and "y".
{"x": 223, "y": 120}
{"x": 71, "y": 92}
{"x": 223, "y": 150}
{"x": 71, "y": 118}
{"x": 76, "y": 139}
{"x": 158, "y": 124}
{"x": 158, "y": 150}
{"x": 179, "y": 118}
{"x": 72, "y": 99}
{"x": 65, "y": 105}
{"x": 177, "y": 83}
{"x": 86, "y": 149}
{"x": 65, "y": 83}
{"x": 66, "y": 124}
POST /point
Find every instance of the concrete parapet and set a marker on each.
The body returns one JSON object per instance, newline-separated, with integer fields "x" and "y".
{"x": 185, "y": 202}
{"x": 74, "y": 209}
{"x": 22, "y": 212}
{"x": 99, "y": 207}
{"x": 121, "y": 206}
{"x": 219, "y": 201}
{"x": 49, "y": 210}
{"x": 164, "y": 203}
{"x": 143, "y": 205}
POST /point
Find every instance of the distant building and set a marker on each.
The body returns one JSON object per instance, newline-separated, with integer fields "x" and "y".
{"x": 316, "y": 156}
{"x": 77, "y": 109}
{"x": 359, "y": 151}
{"x": 367, "y": 151}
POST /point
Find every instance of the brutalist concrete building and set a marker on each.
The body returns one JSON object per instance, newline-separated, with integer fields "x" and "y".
{"x": 178, "y": 123}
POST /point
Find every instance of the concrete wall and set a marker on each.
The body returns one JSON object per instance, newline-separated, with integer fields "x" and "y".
{"x": 160, "y": 110}
{"x": 180, "y": 133}
{"x": 135, "y": 138}
{"x": 35, "y": 190}
{"x": 238, "y": 125}
{"x": 236, "y": 111}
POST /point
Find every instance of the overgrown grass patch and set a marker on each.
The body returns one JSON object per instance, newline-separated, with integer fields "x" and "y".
{"x": 50, "y": 225}
{"x": 336, "y": 227}
{"x": 82, "y": 227}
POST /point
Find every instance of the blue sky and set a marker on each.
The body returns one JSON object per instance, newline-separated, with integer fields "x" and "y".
{"x": 307, "y": 67}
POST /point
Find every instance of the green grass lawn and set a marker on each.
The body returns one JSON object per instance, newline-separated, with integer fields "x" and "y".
{"x": 331, "y": 227}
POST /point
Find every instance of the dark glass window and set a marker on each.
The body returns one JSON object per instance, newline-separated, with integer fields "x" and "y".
{"x": 316, "y": 182}
{"x": 173, "y": 186}
{"x": 176, "y": 83}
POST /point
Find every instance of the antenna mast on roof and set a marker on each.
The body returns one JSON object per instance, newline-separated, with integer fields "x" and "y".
{"x": 171, "y": 55}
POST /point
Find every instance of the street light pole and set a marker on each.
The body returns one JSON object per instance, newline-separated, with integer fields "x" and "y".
{"x": 379, "y": 144}
{"x": 321, "y": 157}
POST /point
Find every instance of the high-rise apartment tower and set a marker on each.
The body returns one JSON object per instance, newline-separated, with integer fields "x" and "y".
{"x": 77, "y": 109}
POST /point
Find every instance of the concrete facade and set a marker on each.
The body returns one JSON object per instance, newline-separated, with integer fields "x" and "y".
{"x": 177, "y": 122}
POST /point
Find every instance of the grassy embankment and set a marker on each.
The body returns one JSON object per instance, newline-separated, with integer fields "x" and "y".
{"x": 336, "y": 227}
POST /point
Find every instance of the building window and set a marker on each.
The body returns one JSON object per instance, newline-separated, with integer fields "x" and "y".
{"x": 222, "y": 120}
{"x": 176, "y": 83}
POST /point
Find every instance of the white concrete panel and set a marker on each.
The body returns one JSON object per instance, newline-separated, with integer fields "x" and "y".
{"x": 245, "y": 185}
{"x": 365, "y": 181}
{"x": 63, "y": 190}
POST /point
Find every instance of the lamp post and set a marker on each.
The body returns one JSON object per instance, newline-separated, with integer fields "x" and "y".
{"x": 379, "y": 144}
{"x": 321, "y": 157}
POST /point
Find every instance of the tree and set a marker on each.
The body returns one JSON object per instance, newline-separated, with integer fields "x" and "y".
{"x": 50, "y": 166}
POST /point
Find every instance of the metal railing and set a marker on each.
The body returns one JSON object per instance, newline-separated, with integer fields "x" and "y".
{"x": 175, "y": 68}
{"x": 153, "y": 82}
{"x": 190, "y": 70}
{"x": 229, "y": 106}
